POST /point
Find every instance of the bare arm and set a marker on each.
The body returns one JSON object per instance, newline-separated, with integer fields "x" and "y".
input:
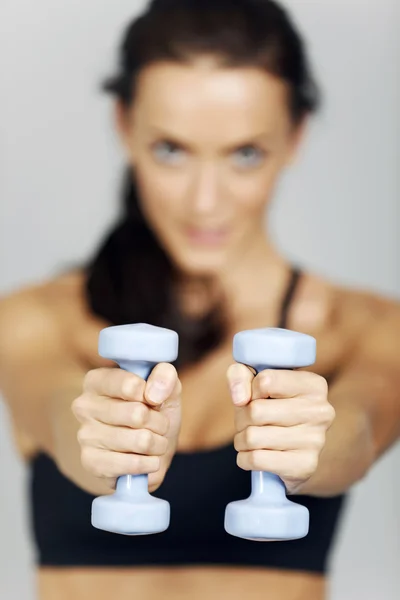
{"x": 96, "y": 424}
{"x": 39, "y": 379}
{"x": 366, "y": 398}
{"x": 320, "y": 441}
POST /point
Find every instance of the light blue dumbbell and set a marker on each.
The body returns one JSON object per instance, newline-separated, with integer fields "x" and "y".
{"x": 131, "y": 510}
{"x": 268, "y": 515}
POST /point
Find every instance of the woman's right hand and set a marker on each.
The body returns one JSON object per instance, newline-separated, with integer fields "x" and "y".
{"x": 129, "y": 426}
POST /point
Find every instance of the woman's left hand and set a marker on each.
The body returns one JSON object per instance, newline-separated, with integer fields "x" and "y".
{"x": 281, "y": 421}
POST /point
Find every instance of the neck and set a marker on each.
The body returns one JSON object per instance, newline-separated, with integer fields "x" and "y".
{"x": 254, "y": 283}
{"x": 251, "y": 287}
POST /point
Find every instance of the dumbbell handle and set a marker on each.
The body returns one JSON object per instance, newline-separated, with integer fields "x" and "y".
{"x": 264, "y": 483}
{"x": 134, "y": 485}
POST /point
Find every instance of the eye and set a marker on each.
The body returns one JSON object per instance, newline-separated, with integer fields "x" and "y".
{"x": 249, "y": 157}
{"x": 168, "y": 152}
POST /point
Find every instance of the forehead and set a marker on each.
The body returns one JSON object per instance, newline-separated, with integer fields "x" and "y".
{"x": 203, "y": 97}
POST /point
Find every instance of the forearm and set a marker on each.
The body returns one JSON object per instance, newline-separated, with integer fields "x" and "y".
{"x": 40, "y": 405}
{"x": 66, "y": 449}
{"x": 367, "y": 423}
{"x": 347, "y": 455}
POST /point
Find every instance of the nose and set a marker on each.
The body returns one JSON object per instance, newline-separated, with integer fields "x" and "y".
{"x": 203, "y": 193}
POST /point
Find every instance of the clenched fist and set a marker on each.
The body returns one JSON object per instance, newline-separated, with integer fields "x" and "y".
{"x": 281, "y": 421}
{"x": 129, "y": 426}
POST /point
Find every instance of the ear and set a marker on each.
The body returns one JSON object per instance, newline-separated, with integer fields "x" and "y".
{"x": 298, "y": 134}
{"x": 123, "y": 122}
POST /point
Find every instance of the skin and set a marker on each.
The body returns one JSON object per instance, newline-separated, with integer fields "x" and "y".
{"x": 205, "y": 183}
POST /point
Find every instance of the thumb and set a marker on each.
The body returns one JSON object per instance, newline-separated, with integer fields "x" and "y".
{"x": 240, "y": 380}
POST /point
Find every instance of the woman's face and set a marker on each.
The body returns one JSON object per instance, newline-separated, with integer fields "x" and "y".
{"x": 207, "y": 145}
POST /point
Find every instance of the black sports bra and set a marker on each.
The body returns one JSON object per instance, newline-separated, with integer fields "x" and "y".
{"x": 198, "y": 486}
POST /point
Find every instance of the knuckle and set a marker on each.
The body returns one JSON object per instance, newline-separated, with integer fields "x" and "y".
{"x": 79, "y": 407}
{"x": 129, "y": 385}
{"x": 163, "y": 445}
{"x": 322, "y": 413}
{"x": 250, "y": 437}
{"x": 143, "y": 464}
{"x": 328, "y": 413}
{"x": 331, "y": 414}
{"x": 289, "y": 466}
{"x": 87, "y": 436}
{"x": 99, "y": 471}
{"x": 322, "y": 386}
{"x": 318, "y": 385}
{"x": 133, "y": 464}
{"x": 89, "y": 379}
{"x": 112, "y": 467}
{"x": 109, "y": 467}
{"x": 111, "y": 412}
{"x": 318, "y": 440}
{"x": 139, "y": 415}
{"x": 156, "y": 478}
{"x": 144, "y": 439}
{"x": 82, "y": 436}
{"x": 153, "y": 464}
{"x": 265, "y": 379}
{"x": 242, "y": 462}
{"x": 237, "y": 444}
{"x": 256, "y": 412}
{"x": 309, "y": 464}
{"x": 257, "y": 460}
{"x": 89, "y": 462}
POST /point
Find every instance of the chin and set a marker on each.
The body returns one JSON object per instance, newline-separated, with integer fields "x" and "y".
{"x": 200, "y": 263}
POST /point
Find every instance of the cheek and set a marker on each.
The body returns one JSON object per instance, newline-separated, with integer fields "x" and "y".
{"x": 160, "y": 193}
{"x": 253, "y": 191}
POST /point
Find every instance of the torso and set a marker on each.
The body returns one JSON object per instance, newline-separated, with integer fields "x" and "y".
{"x": 334, "y": 317}
{"x": 196, "y": 583}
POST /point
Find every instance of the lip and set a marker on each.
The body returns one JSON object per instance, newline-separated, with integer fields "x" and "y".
{"x": 207, "y": 236}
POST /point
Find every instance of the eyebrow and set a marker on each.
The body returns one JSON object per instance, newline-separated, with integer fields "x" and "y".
{"x": 260, "y": 137}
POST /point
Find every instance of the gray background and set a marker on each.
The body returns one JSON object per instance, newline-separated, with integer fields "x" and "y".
{"x": 337, "y": 212}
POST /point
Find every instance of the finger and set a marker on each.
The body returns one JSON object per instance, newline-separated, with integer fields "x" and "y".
{"x": 284, "y": 413}
{"x": 110, "y": 411}
{"x": 290, "y": 465}
{"x": 288, "y": 384}
{"x": 109, "y": 465}
{"x": 279, "y": 438}
{"x": 123, "y": 439}
{"x": 115, "y": 383}
{"x": 161, "y": 384}
{"x": 240, "y": 379}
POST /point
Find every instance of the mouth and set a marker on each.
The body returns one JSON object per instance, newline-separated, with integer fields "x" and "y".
{"x": 207, "y": 236}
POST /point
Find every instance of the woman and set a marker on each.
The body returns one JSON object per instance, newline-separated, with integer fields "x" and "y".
{"x": 212, "y": 101}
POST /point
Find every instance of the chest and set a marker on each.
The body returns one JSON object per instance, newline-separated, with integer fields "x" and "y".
{"x": 207, "y": 409}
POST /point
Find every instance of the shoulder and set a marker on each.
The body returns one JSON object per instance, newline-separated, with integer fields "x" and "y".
{"x": 340, "y": 317}
{"x": 320, "y": 303}
{"x": 26, "y": 323}
{"x": 45, "y": 321}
